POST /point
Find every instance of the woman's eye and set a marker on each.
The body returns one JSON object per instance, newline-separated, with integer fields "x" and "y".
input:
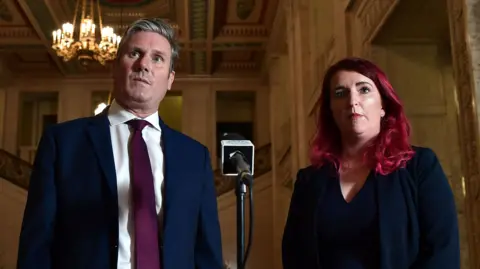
{"x": 339, "y": 92}
{"x": 364, "y": 90}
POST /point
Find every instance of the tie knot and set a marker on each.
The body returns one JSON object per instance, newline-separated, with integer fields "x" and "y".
{"x": 138, "y": 125}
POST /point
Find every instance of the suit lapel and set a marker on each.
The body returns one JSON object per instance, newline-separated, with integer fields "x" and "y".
{"x": 393, "y": 221}
{"x": 99, "y": 132}
{"x": 170, "y": 158}
{"x": 320, "y": 179}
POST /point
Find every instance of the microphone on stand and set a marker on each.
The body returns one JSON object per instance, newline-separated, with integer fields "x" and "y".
{"x": 237, "y": 155}
{"x": 238, "y": 160}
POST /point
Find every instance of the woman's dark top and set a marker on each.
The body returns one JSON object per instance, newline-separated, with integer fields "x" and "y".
{"x": 348, "y": 232}
{"x": 417, "y": 217}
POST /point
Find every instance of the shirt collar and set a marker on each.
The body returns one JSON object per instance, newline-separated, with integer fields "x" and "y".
{"x": 118, "y": 115}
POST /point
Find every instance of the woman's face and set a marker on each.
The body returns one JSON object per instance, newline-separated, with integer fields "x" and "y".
{"x": 356, "y": 105}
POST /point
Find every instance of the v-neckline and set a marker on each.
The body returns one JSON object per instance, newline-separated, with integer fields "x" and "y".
{"x": 339, "y": 188}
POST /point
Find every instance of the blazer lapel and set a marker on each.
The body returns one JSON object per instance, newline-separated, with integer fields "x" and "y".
{"x": 316, "y": 191}
{"x": 99, "y": 132}
{"x": 393, "y": 212}
{"x": 168, "y": 151}
{"x": 170, "y": 159}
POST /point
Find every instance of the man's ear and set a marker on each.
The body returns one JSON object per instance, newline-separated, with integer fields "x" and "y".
{"x": 171, "y": 78}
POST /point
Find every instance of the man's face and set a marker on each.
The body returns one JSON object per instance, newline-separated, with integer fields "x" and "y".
{"x": 142, "y": 73}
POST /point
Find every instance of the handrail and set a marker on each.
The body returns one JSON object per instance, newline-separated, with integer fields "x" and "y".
{"x": 18, "y": 171}
{"x": 14, "y": 169}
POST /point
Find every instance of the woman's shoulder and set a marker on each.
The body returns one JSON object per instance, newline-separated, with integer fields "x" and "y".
{"x": 307, "y": 174}
{"x": 424, "y": 163}
{"x": 423, "y": 152}
{"x": 423, "y": 156}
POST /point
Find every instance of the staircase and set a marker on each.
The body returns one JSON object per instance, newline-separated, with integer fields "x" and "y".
{"x": 17, "y": 171}
{"x": 14, "y": 180}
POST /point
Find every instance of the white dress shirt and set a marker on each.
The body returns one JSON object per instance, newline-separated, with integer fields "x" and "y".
{"x": 120, "y": 133}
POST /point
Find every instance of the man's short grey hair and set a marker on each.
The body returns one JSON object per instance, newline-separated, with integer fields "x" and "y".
{"x": 155, "y": 25}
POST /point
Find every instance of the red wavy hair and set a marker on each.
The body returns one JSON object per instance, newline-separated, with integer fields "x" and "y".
{"x": 391, "y": 148}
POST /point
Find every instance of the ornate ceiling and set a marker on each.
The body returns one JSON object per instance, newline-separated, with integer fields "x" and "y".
{"x": 218, "y": 37}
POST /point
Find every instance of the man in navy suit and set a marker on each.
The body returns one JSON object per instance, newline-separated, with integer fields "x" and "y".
{"x": 121, "y": 189}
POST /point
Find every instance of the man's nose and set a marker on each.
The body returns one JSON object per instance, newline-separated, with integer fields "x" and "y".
{"x": 143, "y": 64}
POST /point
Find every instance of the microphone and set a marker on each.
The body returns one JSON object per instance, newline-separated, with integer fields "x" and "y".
{"x": 238, "y": 155}
{"x": 237, "y": 160}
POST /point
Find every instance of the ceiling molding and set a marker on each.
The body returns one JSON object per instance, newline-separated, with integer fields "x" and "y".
{"x": 216, "y": 37}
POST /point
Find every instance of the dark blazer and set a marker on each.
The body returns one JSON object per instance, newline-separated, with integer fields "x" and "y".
{"x": 417, "y": 215}
{"x": 71, "y": 216}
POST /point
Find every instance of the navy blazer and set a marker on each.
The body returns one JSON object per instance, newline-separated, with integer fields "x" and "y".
{"x": 417, "y": 215}
{"x": 71, "y": 215}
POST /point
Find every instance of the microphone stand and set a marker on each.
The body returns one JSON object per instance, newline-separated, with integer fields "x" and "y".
{"x": 243, "y": 180}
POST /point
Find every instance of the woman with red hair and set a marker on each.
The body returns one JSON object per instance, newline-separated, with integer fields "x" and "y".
{"x": 370, "y": 199}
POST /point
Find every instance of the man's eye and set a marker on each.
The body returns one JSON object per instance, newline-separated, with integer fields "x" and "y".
{"x": 134, "y": 53}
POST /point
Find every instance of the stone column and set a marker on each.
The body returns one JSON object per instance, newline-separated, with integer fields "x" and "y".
{"x": 3, "y": 99}
{"x": 280, "y": 137}
{"x": 262, "y": 118}
{"x": 297, "y": 17}
{"x": 11, "y": 119}
{"x": 199, "y": 118}
{"x": 464, "y": 19}
{"x": 4, "y": 84}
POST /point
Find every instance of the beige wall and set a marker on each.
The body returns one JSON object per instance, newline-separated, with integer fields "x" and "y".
{"x": 170, "y": 110}
{"x": 420, "y": 70}
{"x": 12, "y": 204}
{"x": 429, "y": 99}
{"x": 317, "y": 33}
{"x": 194, "y": 113}
{"x": 3, "y": 107}
{"x": 13, "y": 200}
{"x": 235, "y": 111}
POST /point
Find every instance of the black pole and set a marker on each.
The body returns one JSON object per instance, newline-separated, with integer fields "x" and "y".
{"x": 240, "y": 191}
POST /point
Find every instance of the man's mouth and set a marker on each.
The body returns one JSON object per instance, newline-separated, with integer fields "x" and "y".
{"x": 142, "y": 80}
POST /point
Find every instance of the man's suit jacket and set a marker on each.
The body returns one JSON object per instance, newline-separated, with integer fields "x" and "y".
{"x": 71, "y": 216}
{"x": 417, "y": 217}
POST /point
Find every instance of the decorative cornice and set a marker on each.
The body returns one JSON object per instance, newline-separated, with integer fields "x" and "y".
{"x": 18, "y": 34}
{"x": 238, "y": 46}
{"x": 129, "y": 3}
{"x": 237, "y": 66}
{"x": 244, "y": 31}
{"x": 198, "y": 31}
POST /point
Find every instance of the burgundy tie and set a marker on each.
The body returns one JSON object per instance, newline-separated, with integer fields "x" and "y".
{"x": 147, "y": 255}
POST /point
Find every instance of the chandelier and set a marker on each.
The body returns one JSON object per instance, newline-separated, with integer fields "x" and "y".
{"x": 80, "y": 42}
